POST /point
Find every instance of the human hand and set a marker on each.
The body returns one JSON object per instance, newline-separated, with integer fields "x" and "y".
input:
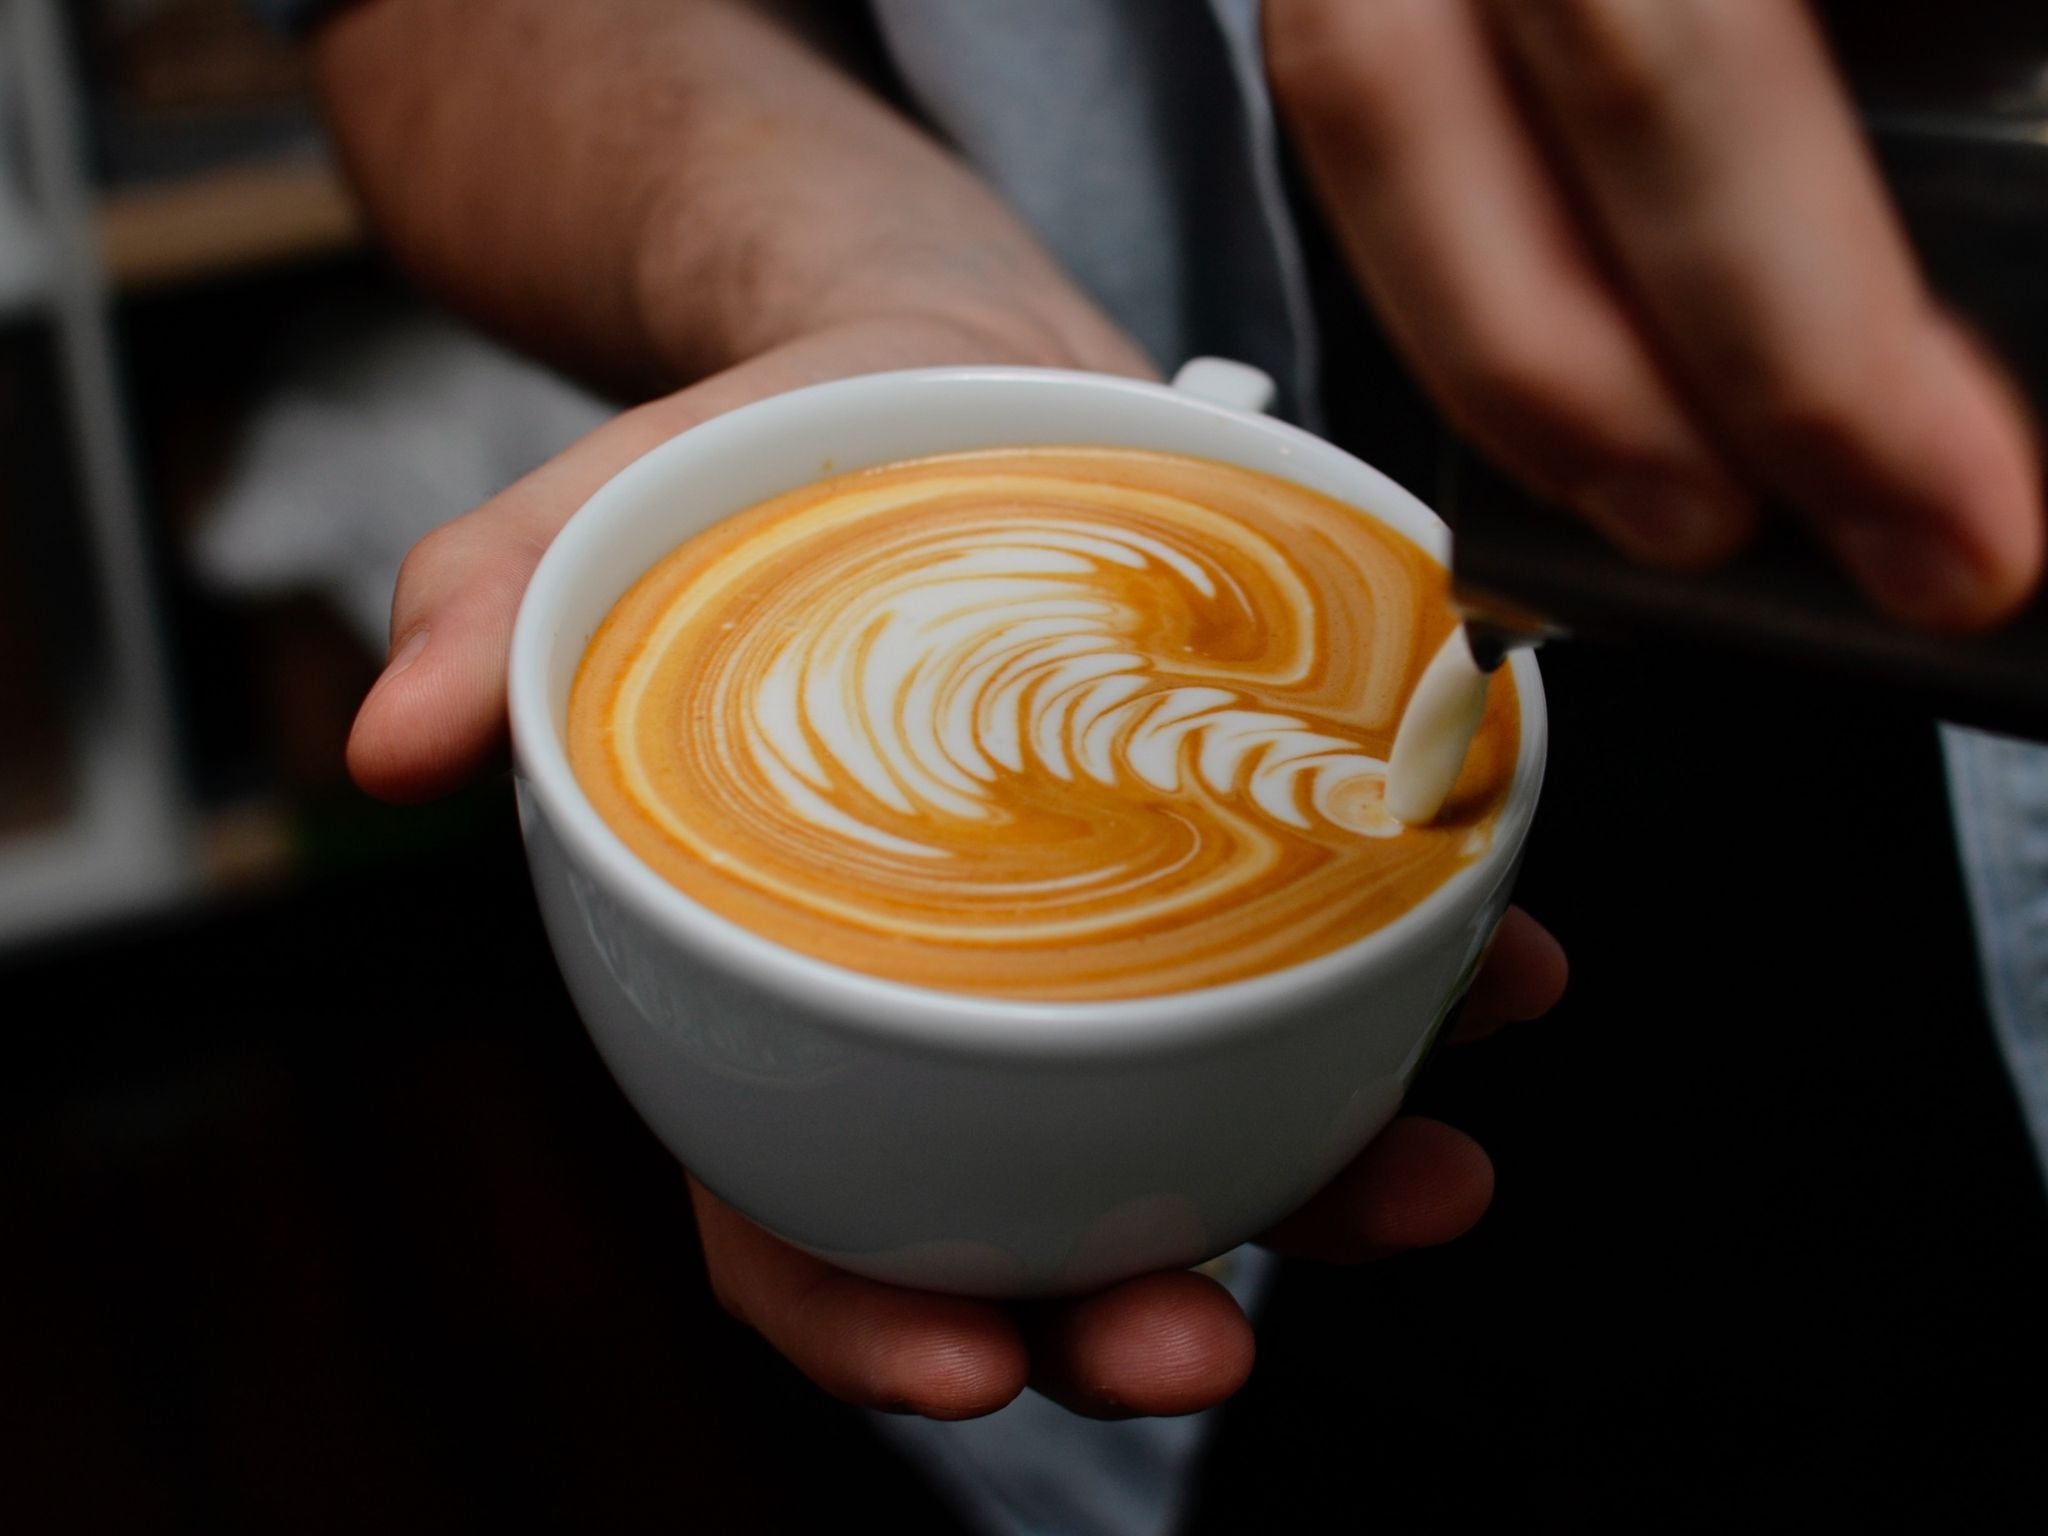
{"x": 1640, "y": 254}
{"x": 1168, "y": 1343}
{"x": 435, "y": 718}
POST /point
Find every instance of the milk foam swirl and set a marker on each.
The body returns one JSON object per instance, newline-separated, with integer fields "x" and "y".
{"x": 972, "y": 716}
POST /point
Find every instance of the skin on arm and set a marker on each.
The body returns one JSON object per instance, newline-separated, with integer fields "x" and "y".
{"x": 651, "y": 193}
{"x": 664, "y": 193}
{"x": 648, "y": 191}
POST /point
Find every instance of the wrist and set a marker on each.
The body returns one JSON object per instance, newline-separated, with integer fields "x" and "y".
{"x": 1024, "y": 324}
{"x": 946, "y": 261}
{"x": 1026, "y": 330}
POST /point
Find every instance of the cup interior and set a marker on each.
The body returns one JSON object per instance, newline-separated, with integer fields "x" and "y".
{"x": 735, "y": 461}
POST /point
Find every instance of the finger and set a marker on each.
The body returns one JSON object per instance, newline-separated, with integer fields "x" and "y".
{"x": 1165, "y": 1344}
{"x": 875, "y": 1345}
{"x": 1421, "y": 1184}
{"x": 436, "y": 716}
{"x": 1522, "y": 978}
{"x": 1721, "y": 161}
{"x": 1464, "y": 240}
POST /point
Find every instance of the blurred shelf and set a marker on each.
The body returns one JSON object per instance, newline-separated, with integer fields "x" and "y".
{"x": 121, "y": 852}
{"x": 99, "y": 869}
{"x": 131, "y": 835}
{"x": 24, "y": 258}
{"x": 225, "y": 221}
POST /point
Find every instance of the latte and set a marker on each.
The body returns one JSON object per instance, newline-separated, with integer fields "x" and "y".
{"x": 1037, "y": 723}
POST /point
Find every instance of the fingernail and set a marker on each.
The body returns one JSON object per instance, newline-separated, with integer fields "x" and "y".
{"x": 404, "y": 654}
{"x": 1666, "y": 521}
{"x": 1918, "y": 576}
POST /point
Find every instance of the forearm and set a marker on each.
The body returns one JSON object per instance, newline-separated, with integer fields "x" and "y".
{"x": 650, "y": 190}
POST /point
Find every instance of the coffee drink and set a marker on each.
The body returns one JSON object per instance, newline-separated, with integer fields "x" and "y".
{"x": 1049, "y": 723}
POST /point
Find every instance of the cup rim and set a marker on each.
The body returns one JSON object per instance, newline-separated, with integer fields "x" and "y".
{"x": 960, "y": 1022}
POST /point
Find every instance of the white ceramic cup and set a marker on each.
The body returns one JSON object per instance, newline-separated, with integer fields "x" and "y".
{"x": 958, "y": 1143}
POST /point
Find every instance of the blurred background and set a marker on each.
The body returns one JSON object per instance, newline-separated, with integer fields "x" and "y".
{"x": 224, "y": 420}
{"x": 320, "y": 1212}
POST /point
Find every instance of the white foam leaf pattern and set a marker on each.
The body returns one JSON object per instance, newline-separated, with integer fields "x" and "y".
{"x": 1045, "y": 722}
{"x": 964, "y": 658}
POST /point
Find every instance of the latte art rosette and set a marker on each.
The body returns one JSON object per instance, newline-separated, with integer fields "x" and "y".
{"x": 1037, "y": 722}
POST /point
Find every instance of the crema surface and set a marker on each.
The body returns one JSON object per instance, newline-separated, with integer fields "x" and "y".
{"x": 1038, "y": 723}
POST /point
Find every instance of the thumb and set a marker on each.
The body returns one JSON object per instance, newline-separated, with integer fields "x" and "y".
{"x": 435, "y": 718}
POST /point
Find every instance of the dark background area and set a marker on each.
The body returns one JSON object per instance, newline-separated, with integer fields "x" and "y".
{"x": 326, "y": 1215}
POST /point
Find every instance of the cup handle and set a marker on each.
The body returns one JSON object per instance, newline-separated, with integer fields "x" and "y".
{"x": 1234, "y": 386}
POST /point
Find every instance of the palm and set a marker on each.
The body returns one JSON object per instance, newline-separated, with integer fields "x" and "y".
{"x": 1161, "y": 1344}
